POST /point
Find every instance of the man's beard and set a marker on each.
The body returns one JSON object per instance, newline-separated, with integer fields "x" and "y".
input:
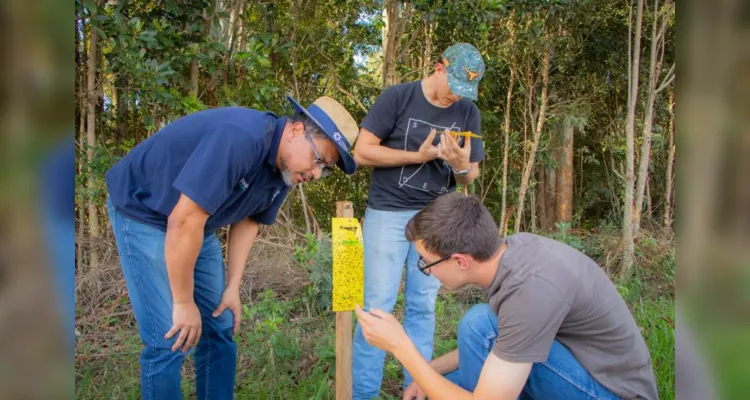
{"x": 286, "y": 175}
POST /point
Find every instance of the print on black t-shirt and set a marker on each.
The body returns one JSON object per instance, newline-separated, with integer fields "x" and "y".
{"x": 403, "y": 118}
{"x": 432, "y": 176}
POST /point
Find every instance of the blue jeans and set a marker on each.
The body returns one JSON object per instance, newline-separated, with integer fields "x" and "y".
{"x": 59, "y": 232}
{"x": 560, "y": 377}
{"x": 141, "y": 249}
{"x": 386, "y": 251}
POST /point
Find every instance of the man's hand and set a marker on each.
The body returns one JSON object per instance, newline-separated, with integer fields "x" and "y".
{"x": 382, "y": 330}
{"x": 427, "y": 151}
{"x": 449, "y": 150}
{"x": 231, "y": 300}
{"x": 187, "y": 320}
{"x": 413, "y": 391}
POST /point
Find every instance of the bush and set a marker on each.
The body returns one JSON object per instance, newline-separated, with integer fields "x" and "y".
{"x": 316, "y": 258}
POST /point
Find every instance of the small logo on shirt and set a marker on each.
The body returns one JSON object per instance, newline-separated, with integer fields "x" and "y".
{"x": 276, "y": 193}
{"x": 243, "y": 184}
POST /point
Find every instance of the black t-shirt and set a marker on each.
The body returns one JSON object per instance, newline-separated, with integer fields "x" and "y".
{"x": 402, "y": 117}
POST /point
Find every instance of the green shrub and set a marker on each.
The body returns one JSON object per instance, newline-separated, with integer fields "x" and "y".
{"x": 316, "y": 258}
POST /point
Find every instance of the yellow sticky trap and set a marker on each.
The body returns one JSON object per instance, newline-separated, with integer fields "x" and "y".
{"x": 348, "y": 264}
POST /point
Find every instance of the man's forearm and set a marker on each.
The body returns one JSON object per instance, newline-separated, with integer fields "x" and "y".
{"x": 181, "y": 248}
{"x": 239, "y": 243}
{"x": 370, "y": 155}
{"x": 434, "y": 385}
{"x": 446, "y": 363}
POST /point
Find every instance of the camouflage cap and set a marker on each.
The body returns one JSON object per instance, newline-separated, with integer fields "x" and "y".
{"x": 465, "y": 69}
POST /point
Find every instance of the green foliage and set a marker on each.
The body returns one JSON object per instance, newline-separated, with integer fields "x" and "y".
{"x": 269, "y": 319}
{"x": 656, "y": 318}
{"x": 244, "y": 58}
{"x": 102, "y": 160}
{"x": 563, "y": 235}
{"x": 316, "y": 257}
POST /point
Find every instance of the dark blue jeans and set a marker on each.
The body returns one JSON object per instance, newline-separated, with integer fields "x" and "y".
{"x": 561, "y": 376}
{"x": 141, "y": 249}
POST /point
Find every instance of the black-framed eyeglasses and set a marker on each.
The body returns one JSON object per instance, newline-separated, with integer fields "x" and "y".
{"x": 424, "y": 267}
{"x": 325, "y": 170}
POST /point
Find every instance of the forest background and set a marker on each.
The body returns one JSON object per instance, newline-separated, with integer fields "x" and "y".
{"x": 578, "y": 113}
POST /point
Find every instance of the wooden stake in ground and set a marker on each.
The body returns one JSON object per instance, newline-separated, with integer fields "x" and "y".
{"x": 347, "y": 290}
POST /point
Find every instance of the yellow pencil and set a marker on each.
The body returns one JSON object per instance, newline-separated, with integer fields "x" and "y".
{"x": 465, "y": 134}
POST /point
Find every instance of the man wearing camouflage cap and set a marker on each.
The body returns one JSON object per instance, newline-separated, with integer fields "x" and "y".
{"x": 404, "y": 137}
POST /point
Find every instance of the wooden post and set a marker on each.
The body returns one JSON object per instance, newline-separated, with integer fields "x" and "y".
{"x": 344, "y": 209}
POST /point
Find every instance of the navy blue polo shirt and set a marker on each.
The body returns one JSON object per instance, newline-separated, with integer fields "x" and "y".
{"x": 224, "y": 159}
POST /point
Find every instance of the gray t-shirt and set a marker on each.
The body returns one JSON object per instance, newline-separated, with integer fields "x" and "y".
{"x": 546, "y": 290}
{"x": 402, "y": 117}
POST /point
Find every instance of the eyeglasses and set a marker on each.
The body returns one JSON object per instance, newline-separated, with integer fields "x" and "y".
{"x": 325, "y": 170}
{"x": 423, "y": 266}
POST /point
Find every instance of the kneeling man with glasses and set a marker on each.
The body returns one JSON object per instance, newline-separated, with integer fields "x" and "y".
{"x": 554, "y": 325}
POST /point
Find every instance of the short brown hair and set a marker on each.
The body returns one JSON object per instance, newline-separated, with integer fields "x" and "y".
{"x": 454, "y": 223}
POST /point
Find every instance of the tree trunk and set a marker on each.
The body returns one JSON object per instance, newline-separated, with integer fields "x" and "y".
{"x": 268, "y": 14}
{"x": 123, "y": 124}
{"x": 528, "y": 116}
{"x": 243, "y": 36}
{"x": 194, "y": 78}
{"x": 542, "y": 196}
{"x": 102, "y": 82}
{"x": 670, "y": 163}
{"x": 537, "y": 135}
{"x": 565, "y": 176}
{"x": 80, "y": 74}
{"x": 92, "y": 97}
{"x": 83, "y": 104}
{"x": 137, "y": 121}
{"x": 116, "y": 97}
{"x": 551, "y": 196}
{"x": 578, "y": 197}
{"x": 427, "y": 59}
{"x": 532, "y": 196}
{"x": 233, "y": 27}
{"x": 551, "y": 173}
{"x": 648, "y": 198}
{"x": 506, "y": 128}
{"x": 654, "y": 72}
{"x": 293, "y": 53}
{"x": 396, "y": 19}
{"x": 304, "y": 208}
{"x": 627, "y": 222}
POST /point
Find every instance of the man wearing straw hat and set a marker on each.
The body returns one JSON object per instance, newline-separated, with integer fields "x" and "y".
{"x": 229, "y": 166}
{"x": 404, "y": 137}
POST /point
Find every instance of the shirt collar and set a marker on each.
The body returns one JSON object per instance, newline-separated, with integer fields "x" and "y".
{"x": 274, "y": 149}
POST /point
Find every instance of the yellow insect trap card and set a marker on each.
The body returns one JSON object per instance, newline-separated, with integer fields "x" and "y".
{"x": 348, "y": 264}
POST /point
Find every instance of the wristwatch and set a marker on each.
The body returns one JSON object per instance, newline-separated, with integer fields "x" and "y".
{"x": 462, "y": 172}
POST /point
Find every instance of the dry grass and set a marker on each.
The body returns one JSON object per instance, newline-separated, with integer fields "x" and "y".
{"x": 654, "y": 256}
{"x": 103, "y": 308}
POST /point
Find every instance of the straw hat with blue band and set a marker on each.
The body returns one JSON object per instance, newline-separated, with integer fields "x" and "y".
{"x": 333, "y": 119}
